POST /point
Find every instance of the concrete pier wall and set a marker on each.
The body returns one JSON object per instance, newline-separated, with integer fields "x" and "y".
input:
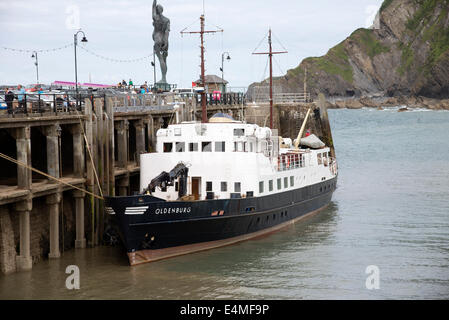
{"x": 288, "y": 118}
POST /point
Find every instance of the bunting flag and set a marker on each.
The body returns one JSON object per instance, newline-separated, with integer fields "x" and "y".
{"x": 116, "y": 60}
{"x": 38, "y": 51}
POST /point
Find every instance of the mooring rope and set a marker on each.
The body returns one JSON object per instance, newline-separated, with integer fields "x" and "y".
{"x": 4, "y": 156}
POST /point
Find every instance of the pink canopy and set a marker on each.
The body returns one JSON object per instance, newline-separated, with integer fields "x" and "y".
{"x": 72, "y": 84}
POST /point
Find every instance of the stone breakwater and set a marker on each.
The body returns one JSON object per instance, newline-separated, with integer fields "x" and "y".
{"x": 380, "y": 102}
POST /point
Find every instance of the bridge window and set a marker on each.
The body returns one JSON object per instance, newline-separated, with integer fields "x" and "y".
{"x": 270, "y": 185}
{"x": 177, "y": 131}
{"x": 237, "y": 187}
{"x": 279, "y": 183}
{"x": 208, "y": 185}
{"x": 292, "y": 181}
{"x": 251, "y": 147}
{"x": 261, "y": 185}
{"x": 224, "y": 186}
{"x": 220, "y": 146}
{"x": 319, "y": 159}
{"x": 193, "y": 147}
{"x": 180, "y": 146}
{"x": 285, "y": 182}
{"x": 239, "y": 132}
{"x": 206, "y": 146}
{"x": 168, "y": 146}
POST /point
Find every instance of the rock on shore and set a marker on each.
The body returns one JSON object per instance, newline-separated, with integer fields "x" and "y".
{"x": 381, "y": 102}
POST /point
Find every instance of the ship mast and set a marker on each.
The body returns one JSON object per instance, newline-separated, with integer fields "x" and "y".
{"x": 270, "y": 54}
{"x": 203, "y": 77}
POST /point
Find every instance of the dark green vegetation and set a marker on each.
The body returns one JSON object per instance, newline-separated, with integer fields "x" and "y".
{"x": 368, "y": 42}
{"x": 430, "y": 24}
{"x": 335, "y": 62}
{"x": 385, "y": 4}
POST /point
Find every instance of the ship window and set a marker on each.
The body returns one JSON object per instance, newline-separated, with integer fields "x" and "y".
{"x": 239, "y": 132}
{"x": 177, "y": 131}
{"x": 238, "y": 146}
{"x": 270, "y": 185}
{"x": 319, "y": 159}
{"x": 261, "y": 184}
{"x": 237, "y": 187}
{"x": 251, "y": 147}
{"x": 180, "y": 146}
{"x": 193, "y": 147}
{"x": 168, "y": 146}
{"x": 208, "y": 185}
{"x": 292, "y": 181}
{"x": 220, "y": 146}
{"x": 224, "y": 186}
{"x": 176, "y": 186}
{"x": 245, "y": 147}
{"x": 206, "y": 146}
{"x": 285, "y": 182}
{"x": 279, "y": 184}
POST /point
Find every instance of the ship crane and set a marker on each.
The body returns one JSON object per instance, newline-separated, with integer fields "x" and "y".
{"x": 166, "y": 179}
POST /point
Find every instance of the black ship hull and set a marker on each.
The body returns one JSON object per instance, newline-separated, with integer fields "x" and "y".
{"x": 154, "y": 229}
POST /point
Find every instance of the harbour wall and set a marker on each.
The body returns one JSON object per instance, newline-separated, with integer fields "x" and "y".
{"x": 288, "y": 118}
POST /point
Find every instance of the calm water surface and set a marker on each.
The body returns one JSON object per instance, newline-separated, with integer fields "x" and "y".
{"x": 391, "y": 209}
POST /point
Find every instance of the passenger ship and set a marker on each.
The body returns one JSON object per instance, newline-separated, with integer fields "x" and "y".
{"x": 217, "y": 183}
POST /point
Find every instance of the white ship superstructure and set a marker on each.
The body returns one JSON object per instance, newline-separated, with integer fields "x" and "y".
{"x": 233, "y": 159}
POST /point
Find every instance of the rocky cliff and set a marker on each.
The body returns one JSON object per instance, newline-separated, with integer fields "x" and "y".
{"x": 407, "y": 53}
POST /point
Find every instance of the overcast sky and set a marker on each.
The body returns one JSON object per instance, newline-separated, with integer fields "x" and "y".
{"x": 122, "y": 30}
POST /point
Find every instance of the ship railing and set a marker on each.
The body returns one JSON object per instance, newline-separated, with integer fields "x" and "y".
{"x": 333, "y": 166}
{"x": 290, "y": 161}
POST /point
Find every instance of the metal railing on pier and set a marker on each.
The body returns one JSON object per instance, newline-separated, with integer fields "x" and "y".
{"x": 291, "y": 97}
{"x": 69, "y": 100}
{"x": 231, "y": 98}
{"x": 31, "y": 103}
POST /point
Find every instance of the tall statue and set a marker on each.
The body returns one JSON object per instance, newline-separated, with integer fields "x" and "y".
{"x": 160, "y": 36}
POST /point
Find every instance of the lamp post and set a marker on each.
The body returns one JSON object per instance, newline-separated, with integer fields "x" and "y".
{"x": 75, "y": 42}
{"x": 36, "y": 63}
{"x": 222, "y": 66}
{"x": 153, "y": 64}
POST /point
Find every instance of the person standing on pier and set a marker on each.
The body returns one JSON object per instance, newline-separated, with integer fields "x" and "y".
{"x": 9, "y": 98}
{"x": 21, "y": 97}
